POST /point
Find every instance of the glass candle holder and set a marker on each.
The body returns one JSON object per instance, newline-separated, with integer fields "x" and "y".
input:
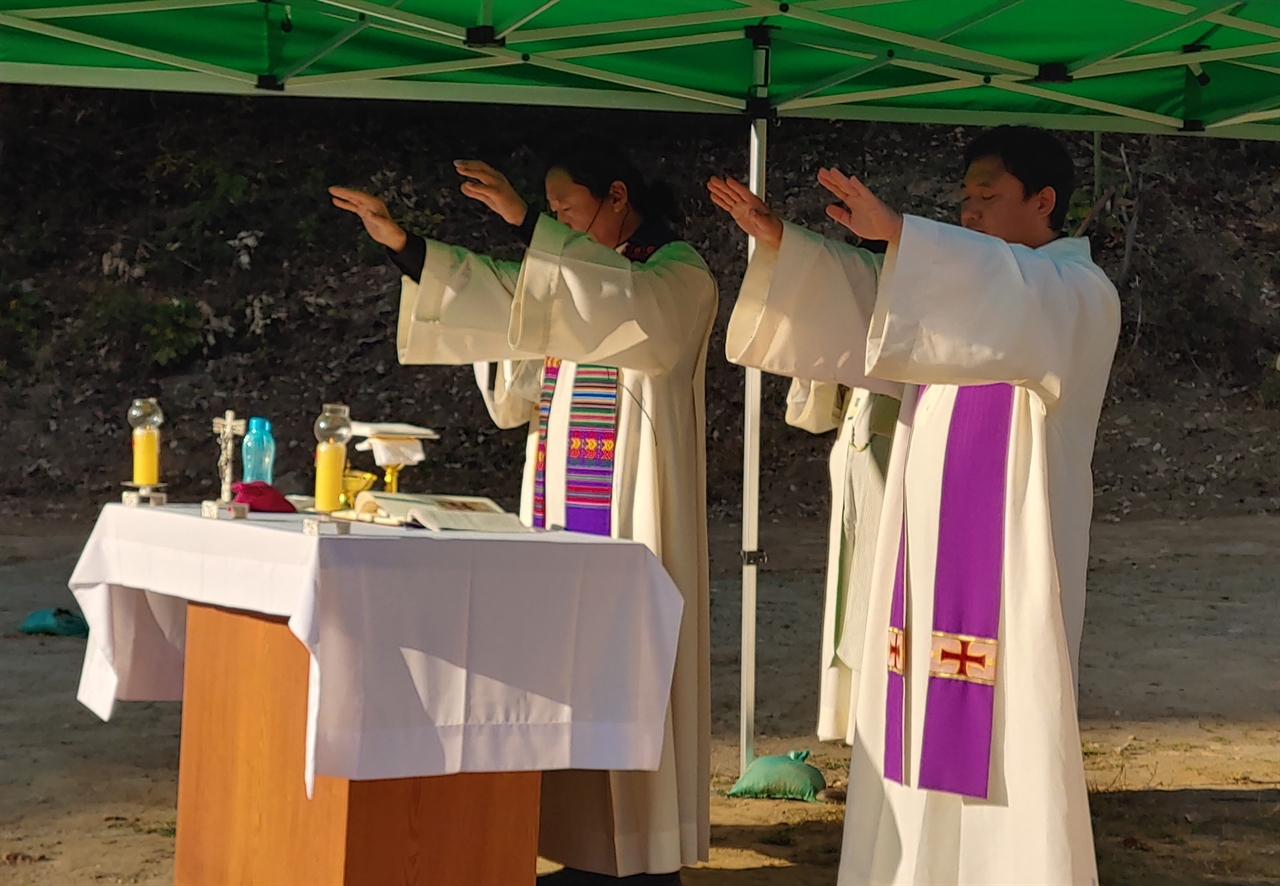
{"x": 146, "y": 417}
{"x": 333, "y": 430}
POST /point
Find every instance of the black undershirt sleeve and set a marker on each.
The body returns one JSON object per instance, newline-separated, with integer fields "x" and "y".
{"x": 413, "y": 257}
{"x": 525, "y": 230}
{"x": 410, "y": 259}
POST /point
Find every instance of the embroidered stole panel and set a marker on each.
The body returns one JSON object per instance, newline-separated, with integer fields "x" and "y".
{"x": 592, "y": 443}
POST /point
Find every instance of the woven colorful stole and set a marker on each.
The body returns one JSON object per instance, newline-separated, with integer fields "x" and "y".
{"x": 550, "y": 374}
{"x": 593, "y": 419}
{"x": 960, "y": 706}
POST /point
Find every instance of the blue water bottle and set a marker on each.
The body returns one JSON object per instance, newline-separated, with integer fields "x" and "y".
{"x": 258, "y": 452}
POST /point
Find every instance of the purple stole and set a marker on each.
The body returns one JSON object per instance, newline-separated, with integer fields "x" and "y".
{"x": 955, "y": 751}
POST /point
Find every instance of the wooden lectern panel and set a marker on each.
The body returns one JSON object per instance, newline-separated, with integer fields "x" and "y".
{"x": 243, "y": 813}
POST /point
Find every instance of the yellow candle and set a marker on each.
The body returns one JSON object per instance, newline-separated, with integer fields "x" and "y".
{"x": 146, "y": 456}
{"x": 331, "y": 461}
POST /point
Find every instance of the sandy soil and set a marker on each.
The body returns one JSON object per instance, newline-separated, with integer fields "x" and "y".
{"x": 1180, "y": 705}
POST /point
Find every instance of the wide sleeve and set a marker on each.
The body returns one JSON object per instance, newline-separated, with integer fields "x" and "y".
{"x": 581, "y": 301}
{"x": 804, "y": 310}
{"x": 510, "y": 389}
{"x": 962, "y": 308}
{"x": 815, "y": 406}
{"x": 460, "y": 312}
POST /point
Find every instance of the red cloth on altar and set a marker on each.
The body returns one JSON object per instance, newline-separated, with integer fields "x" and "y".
{"x": 261, "y": 496}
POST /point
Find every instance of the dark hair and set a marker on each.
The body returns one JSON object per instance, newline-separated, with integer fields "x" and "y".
{"x": 597, "y": 166}
{"x": 1034, "y": 157}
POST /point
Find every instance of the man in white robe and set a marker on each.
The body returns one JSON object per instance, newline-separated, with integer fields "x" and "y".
{"x": 859, "y": 459}
{"x": 600, "y": 344}
{"x": 966, "y": 766}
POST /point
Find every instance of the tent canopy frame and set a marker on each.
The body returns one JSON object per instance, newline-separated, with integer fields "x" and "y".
{"x": 843, "y": 29}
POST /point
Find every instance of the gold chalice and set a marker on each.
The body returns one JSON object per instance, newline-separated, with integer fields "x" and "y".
{"x": 354, "y": 483}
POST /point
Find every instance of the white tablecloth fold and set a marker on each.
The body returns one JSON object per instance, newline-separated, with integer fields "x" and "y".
{"x": 431, "y": 653}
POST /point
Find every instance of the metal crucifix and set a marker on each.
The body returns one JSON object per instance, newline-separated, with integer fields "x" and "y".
{"x": 227, "y": 427}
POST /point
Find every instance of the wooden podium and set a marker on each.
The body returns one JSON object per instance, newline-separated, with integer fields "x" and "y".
{"x": 243, "y": 812}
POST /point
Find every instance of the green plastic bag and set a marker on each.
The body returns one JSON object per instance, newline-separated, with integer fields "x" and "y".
{"x": 58, "y": 622}
{"x": 780, "y": 778}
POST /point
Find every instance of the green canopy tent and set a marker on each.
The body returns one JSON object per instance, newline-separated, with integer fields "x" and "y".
{"x": 1206, "y": 67}
{"x": 1160, "y": 66}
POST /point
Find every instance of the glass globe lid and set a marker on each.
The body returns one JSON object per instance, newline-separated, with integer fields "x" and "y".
{"x": 334, "y": 424}
{"x": 146, "y": 413}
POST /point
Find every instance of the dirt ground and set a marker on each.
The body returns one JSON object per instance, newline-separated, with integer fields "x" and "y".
{"x": 1180, "y": 707}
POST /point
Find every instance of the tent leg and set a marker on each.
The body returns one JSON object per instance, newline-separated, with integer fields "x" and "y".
{"x": 751, "y": 496}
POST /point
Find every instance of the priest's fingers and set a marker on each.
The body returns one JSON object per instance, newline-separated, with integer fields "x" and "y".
{"x": 741, "y": 191}
{"x": 366, "y": 213}
{"x": 835, "y": 186}
{"x": 721, "y": 187}
{"x": 484, "y": 193}
{"x": 346, "y": 193}
{"x": 839, "y": 179}
{"x": 841, "y": 215}
{"x": 352, "y": 196}
{"x": 853, "y": 185}
{"x": 735, "y": 208}
{"x": 725, "y": 200}
{"x": 480, "y": 171}
{"x": 848, "y": 188}
{"x": 480, "y": 189}
{"x": 364, "y": 205}
{"x": 716, "y": 185}
{"x": 346, "y": 204}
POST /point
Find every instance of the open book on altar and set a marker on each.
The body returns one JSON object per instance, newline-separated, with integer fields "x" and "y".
{"x": 436, "y": 512}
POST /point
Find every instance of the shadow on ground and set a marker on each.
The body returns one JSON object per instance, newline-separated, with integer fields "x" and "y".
{"x": 1143, "y": 838}
{"x": 1163, "y": 838}
{"x": 802, "y": 853}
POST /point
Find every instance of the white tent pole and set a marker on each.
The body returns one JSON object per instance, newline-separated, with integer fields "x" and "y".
{"x": 751, "y": 555}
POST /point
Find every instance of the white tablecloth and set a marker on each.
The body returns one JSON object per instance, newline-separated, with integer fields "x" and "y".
{"x": 431, "y": 653}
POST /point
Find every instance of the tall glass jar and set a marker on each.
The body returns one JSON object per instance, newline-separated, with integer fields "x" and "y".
{"x": 333, "y": 430}
{"x": 146, "y": 417}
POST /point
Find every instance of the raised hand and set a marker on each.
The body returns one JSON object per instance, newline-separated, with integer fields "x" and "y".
{"x": 748, "y": 210}
{"x": 373, "y": 212}
{"x": 491, "y": 188}
{"x": 862, "y": 212}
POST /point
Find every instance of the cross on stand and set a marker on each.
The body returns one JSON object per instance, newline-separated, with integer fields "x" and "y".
{"x": 227, "y": 427}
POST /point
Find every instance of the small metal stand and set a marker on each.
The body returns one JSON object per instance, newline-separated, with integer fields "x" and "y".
{"x": 315, "y": 526}
{"x": 391, "y": 477}
{"x": 224, "y": 510}
{"x": 137, "y": 496}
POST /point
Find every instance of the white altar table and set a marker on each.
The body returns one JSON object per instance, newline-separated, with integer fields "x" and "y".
{"x": 430, "y": 653}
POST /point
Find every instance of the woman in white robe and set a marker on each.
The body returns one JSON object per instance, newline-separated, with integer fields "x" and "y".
{"x": 599, "y": 337}
{"x": 858, "y": 462}
{"x": 1008, "y": 305}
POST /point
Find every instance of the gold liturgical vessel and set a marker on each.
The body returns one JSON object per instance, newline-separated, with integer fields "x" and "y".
{"x": 353, "y": 483}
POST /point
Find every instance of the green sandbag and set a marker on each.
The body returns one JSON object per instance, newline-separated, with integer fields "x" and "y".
{"x": 780, "y": 778}
{"x": 58, "y": 622}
